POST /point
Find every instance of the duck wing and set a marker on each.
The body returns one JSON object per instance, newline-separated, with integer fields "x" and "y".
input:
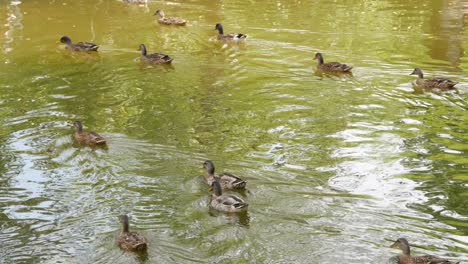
{"x": 159, "y": 57}
{"x": 336, "y": 66}
{"x": 88, "y": 46}
{"x": 132, "y": 241}
{"x": 234, "y": 201}
{"x": 96, "y": 138}
{"x": 442, "y": 83}
{"x": 231, "y": 181}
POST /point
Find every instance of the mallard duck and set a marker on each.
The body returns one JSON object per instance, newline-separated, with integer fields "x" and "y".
{"x": 406, "y": 258}
{"x": 227, "y": 180}
{"x": 131, "y": 241}
{"x": 226, "y": 203}
{"x": 331, "y": 66}
{"x": 79, "y": 46}
{"x": 154, "y": 58}
{"x": 87, "y": 138}
{"x": 440, "y": 83}
{"x": 170, "y": 20}
{"x": 229, "y": 37}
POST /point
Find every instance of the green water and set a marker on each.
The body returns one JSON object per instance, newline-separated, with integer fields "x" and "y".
{"x": 337, "y": 167}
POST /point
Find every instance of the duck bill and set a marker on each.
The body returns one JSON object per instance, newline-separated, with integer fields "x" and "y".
{"x": 394, "y": 245}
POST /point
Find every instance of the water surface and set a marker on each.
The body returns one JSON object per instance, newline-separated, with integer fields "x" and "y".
{"x": 337, "y": 167}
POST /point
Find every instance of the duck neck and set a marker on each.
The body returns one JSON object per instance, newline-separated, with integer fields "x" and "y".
{"x": 161, "y": 14}
{"x": 420, "y": 75}
{"x": 125, "y": 224}
{"x": 217, "y": 189}
{"x": 220, "y": 30}
{"x": 320, "y": 60}
{"x": 143, "y": 50}
{"x": 406, "y": 249}
{"x": 79, "y": 127}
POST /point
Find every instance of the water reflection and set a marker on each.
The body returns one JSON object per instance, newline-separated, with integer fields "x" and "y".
{"x": 446, "y": 31}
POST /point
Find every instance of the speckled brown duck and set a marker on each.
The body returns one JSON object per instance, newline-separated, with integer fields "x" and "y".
{"x": 406, "y": 257}
{"x": 177, "y": 21}
{"x": 79, "y": 46}
{"x": 234, "y": 37}
{"x": 89, "y": 138}
{"x": 154, "y": 58}
{"x": 441, "y": 83}
{"x": 226, "y": 203}
{"x": 131, "y": 241}
{"x": 335, "y": 67}
{"x": 227, "y": 180}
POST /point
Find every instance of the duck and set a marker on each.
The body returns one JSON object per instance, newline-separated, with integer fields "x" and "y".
{"x": 131, "y": 241}
{"x": 228, "y": 181}
{"x": 169, "y": 20}
{"x": 87, "y": 138}
{"x": 331, "y": 66}
{"x": 154, "y": 58}
{"x": 226, "y": 203}
{"x": 79, "y": 46}
{"x": 441, "y": 83}
{"x": 237, "y": 37}
{"x": 406, "y": 258}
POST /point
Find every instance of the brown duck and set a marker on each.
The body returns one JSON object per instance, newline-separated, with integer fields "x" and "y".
{"x": 227, "y": 180}
{"x": 169, "y": 20}
{"x": 441, "y": 83}
{"x": 79, "y": 46}
{"x": 331, "y": 66}
{"x": 154, "y": 58}
{"x": 131, "y": 241}
{"x": 406, "y": 258}
{"x": 87, "y": 138}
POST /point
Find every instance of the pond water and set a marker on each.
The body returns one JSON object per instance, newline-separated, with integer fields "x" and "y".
{"x": 337, "y": 167}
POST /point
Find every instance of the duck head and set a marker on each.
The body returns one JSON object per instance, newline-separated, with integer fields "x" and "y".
{"x": 318, "y": 56}
{"x": 417, "y": 71}
{"x": 402, "y": 244}
{"x": 159, "y": 12}
{"x": 143, "y": 49}
{"x": 219, "y": 27}
{"x": 65, "y": 40}
{"x": 209, "y": 166}
{"x": 78, "y": 125}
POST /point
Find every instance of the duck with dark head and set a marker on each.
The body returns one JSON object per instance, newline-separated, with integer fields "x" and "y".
{"x": 227, "y": 180}
{"x": 235, "y": 37}
{"x": 334, "y": 67}
{"x": 226, "y": 203}
{"x": 79, "y": 46}
{"x": 154, "y": 58}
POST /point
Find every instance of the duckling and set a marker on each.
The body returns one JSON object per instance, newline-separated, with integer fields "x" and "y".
{"x": 170, "y": 20}
{"x": 229, "y": 37}
{"x": 131, "y": 241}
{"x": 406, "y": 258}
{"x": 79, "y": 46}
{"x": 227, "y": 180}
{"x": 154, "y": 58}
{"x": 87, "y": 138}
{"x": 440, "y": 83}
{"x": 226, "y": 203}
{"x": 331, "y": 66}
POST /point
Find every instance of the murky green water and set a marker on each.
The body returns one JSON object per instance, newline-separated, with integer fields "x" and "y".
{"x": 338, "y": 168}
